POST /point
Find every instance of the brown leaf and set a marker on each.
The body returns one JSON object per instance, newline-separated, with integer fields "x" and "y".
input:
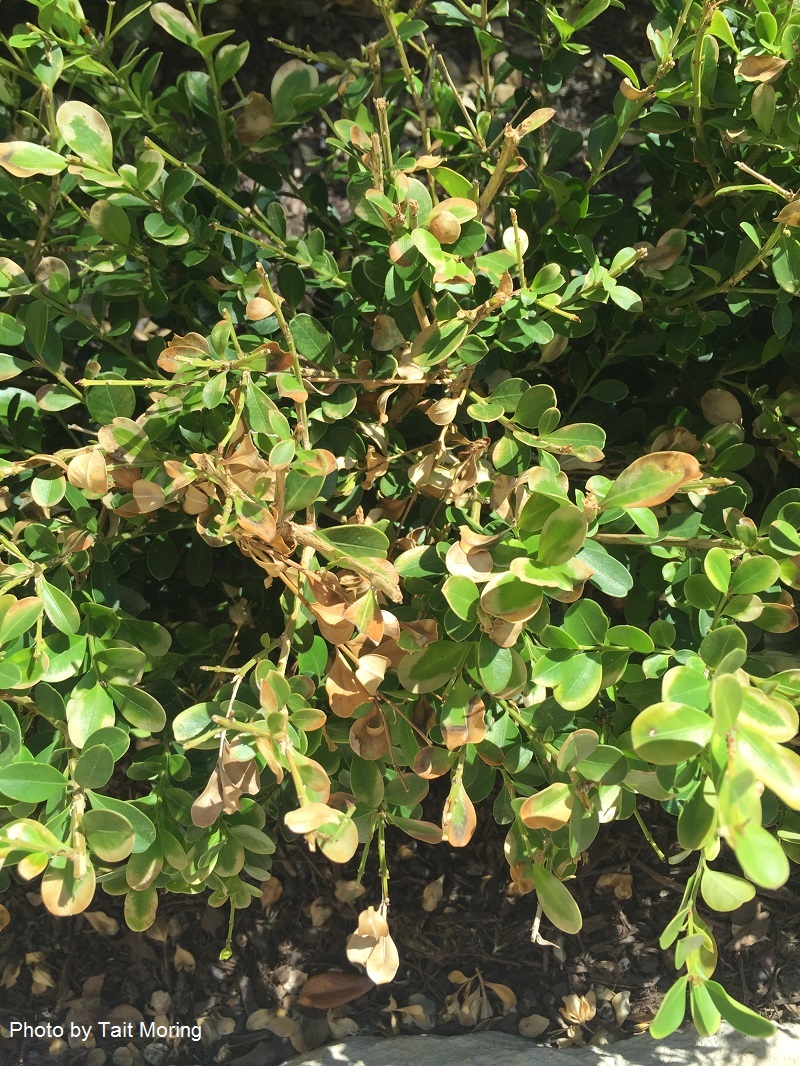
{"x": 630, "y": 92}
{"x": 471, "y": 731}
{"x": 148, "y": 495}
{"x": 101, "y": 922}
{"x": 443, "y": 411}
{"x": 183, "y": 960}
{"x": 533, "y": 1025}
{"x": 345, "y": 691}
{"x": 432, "y": 894}
{"x": 432, "y": 762}
{"x": 720, "y": 406}
{"x": 333, "y": 989}
{"x": 760, "y": 68}
{"x": 386, "y": 334}
{"x": 504, "y": 994}
{"x": 320, "y": 912}
{"x": 349, "y": 891}
{"x": 620, "y": 883}
{"x": 5, "y": 917}
{"x": 271, "y": 892}
{"x": 255, "y": 119}
{"x": 88, "y": 470}
{"x": 368, "y": 737}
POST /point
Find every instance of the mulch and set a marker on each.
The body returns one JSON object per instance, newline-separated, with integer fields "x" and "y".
{"x": 90, "y": 969}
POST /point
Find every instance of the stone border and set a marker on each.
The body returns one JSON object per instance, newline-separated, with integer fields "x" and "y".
{"x": 684, "y": 1048}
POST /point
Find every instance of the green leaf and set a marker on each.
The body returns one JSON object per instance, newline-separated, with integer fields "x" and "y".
{"x": 107, "y": 402}
{"x": 737, "y": 1015}
{"x": 24, "y": 159}
{"x": 462, "y": 595}
{"x": 720, "y": 27}
{"x": 669, "y": 733}
{"x": 652, "y": 480}
{"x": 720, "y": 643}
{"x": 86, "y": 132}
{"x": 705, "y": 1015}
{"x": 141, "y": 906}
{"x": 194, "y": 721}
{"x": 717, "y": 565}
{"x": 357, "y": 542}
{"x": 672, "y": 1011}
{"x": 532, "y": 405}
{"x": 59, "y": 608}
{"x": 610, "y": 575}
{"x": 432, "y": 667}
{"x": 94, "y": 767}
{"x": 761, "y": 857}
{"x": 562, "y": 535}
{"x": 754, "y": 575}
{"x": 139, "y": 708}
{"x": 175, "y": 23}
{"x": 312, "y": 339}
{"x": 785, "y": 263}
{"x": 774, "y": 765}
{"x": 575, "y": 679}
{"x": 17, "y": 616}
{"x": 577, "y": 747}
{"x": 606, "y": 765}
{"x": 438, "y": 342}
{"x": 586, "y": 622}
{"x": 724, "y": 892}
{"x": 32, "y": 782}
{"x": 495, "y": 666}
{"x": 143, "y": 828}
{"x": 556, "y": 900}
{"x": 89, "y": 708}
{"x": 111, "y": 223}
{"x": 366, "y": 782}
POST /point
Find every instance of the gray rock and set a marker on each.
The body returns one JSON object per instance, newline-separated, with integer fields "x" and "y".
{"x": 685, "y": 1048}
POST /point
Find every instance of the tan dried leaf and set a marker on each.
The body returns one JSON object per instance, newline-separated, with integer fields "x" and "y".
{"x": 621, "y": 1003}
{"x": 184, "y": 961}
{"x": 533, "y": 1025}
{"x": 100, "y": 922}
{"x": 506, "y": 996}
{"x": 341, "y": 1027}
{"x": 271, "y": 892}
{"x": 348, "y": 891}
{"x": 320, "y": 912}
{"x": 88, "y": 471}
{"x": 368, "y": 737}
{"x": 720, "y": 406}
{"x": 255, "y": 119}
{"x": 630, "y": 92}
{"x": 764, "y": 68}
{"x": 149, "y": 496}
{"x": 386, "y": 334}
{"x": 5, "y": 917}
{"x": 578, "y": 1010}
{"x": 443, "y": 411}
{"x": 621, "y": 884}
{"x": 432, "y": 894}
{"x": 309, "y": 817}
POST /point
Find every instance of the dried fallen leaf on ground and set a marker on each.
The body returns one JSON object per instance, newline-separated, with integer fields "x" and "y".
{"x": 5, "y": 917}
{"x": 349, "y": 891}
{"x": 578, "y": 1010}
{"x": 184, "y": 960}
{"x": 620, "y": 883}
{"x": 533, "y": 1025}
{"x": 504, "y": 994}
{"x": 275, "y": 1022}
{"x": 432, "y": 894}
{"x": 214, "y": 1026}
{"x": 320, "y": 912}
{"x": 271, "y": 892}
{"x": 372, "y": 947}
{"x": 102, "y": 923}
{"x": 622, "y": 1006}
{"x": 333, "y": 989}
{"x": 341, "y": 1027}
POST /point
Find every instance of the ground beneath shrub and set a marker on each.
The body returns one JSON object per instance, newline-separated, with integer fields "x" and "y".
{"x": 89, "y": 969}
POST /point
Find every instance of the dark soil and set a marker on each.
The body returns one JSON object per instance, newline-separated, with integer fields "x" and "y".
{"x": 64, "y": 970}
